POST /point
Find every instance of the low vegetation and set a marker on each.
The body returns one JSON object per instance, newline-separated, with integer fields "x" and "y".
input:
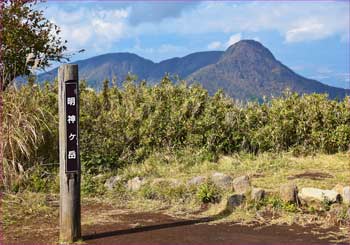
{"x": 123, "y": 126}
{"x": 160, "y": 193}
{"x": 164, "y": 136}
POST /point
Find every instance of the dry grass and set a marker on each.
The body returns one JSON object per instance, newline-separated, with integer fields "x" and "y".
{"x": 24, "y": 211}
{"x": 270, "y": 170}
{"x": 266, "y": 170}
{"x": 23, "y": 124}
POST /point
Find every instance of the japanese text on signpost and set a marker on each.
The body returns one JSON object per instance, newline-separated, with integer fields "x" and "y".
{"x": 72, "y": 127}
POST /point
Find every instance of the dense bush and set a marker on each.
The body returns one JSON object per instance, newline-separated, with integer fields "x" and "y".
{"x": 125, "y": 125}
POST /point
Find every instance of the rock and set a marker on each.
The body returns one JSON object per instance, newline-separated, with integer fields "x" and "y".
{"x": 241, "y": 184}
{"x": 314, "y": 194}
{"x": 346, "y": 195}
{"x": 198, "y": 180}
{"x": 257, "y": 194}
{"x": 339, "y": 189}
{"x": 222, "y": 180}
{"x": 111, "y": 182}
{"x": 234, "y": 201}
{"x": 135, "y": 184}
{"x": 289, "y": 192}
{"x": 344, "y": 192}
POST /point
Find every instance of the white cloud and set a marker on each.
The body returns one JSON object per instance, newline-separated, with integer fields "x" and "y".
{"x": 81, "y": 36}
{"x": 297, "y": 22}
{"x": 158, "y": 53}
{"x": 108, "y": 30}
{"x": 214, "y": 45}
{"x": 89, "y": 28}
{"x": 100, "y": 27}
{"x": 233, "y": 39}
{"x": 307, "y": 30}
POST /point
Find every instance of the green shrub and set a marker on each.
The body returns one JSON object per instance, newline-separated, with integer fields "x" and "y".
{"x": 290, "y": 207}
{"x": 120, "y": 126}
{"x": 91, "y": 186}
{"x": 326, "y": 204}
{"x": 208, "y": 192}
{"x": 274, "y": 202}
{"x": 41, "y": 179}
{"x": 148, "y": 192}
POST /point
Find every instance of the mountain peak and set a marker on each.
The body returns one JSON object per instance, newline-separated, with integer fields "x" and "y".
{"x": 248, "y": 49}
{"x": 246, "y": 70}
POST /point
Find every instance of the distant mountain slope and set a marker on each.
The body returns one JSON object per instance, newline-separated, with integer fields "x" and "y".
{"x": 246, "y": 70}
{"x": 106, "y": 66}
{"x": 94, "y": 70}
{"x": 186, "y": 65}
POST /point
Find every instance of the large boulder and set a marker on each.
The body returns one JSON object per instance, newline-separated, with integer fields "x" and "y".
{"x": 310, "y": 194}
{"x": 234, "y": 201}
{"x": 222, "y": 180}
{"x": 135, "y": 184}
{"x": 111, "y": 182}
{"x": 241, "y": 184}
{"x": 198, "y": 180}
{"x": 289, "y": 192}
{"x": 257, "y": 194}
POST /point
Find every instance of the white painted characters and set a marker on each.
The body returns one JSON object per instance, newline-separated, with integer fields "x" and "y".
{"x": 71, "y": 101}
{"x": 71, "y": 119}
{"x": 72, "y": 155}
{"x": 72, "y": 136}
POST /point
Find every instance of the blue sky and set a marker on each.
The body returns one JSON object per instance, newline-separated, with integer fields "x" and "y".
{"x": 310, "y": 37}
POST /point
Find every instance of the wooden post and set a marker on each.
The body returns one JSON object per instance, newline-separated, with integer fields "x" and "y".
{"x": 68, "y": 103}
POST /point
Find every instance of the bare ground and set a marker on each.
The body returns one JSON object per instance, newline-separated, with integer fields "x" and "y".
{"x": 104, "y": 224}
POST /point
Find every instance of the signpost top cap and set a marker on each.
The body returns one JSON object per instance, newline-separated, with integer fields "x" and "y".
{"x": 68, "y": 72}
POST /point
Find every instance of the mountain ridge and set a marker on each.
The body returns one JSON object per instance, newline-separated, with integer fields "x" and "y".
{"x": 246, "y": 70}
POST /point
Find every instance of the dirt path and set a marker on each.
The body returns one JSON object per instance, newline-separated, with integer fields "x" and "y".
{"x": 147, "y": 228}
{"x": 107, "y": 225}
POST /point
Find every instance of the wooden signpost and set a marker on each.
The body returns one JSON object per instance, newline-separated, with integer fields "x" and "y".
{"x": 68, "y": 103}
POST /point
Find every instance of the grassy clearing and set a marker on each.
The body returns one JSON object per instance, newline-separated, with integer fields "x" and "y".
{"x": 266, "y": 170}
{"x": 166, "y": 190}
{"x": 270, "y": 170}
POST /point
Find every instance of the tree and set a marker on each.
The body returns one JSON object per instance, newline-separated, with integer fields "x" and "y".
{"x": 28, "y": 40}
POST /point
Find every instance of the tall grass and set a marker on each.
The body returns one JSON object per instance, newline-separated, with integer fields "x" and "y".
{"x": 25, "y": 122}
{"x": 121, "y": 126}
